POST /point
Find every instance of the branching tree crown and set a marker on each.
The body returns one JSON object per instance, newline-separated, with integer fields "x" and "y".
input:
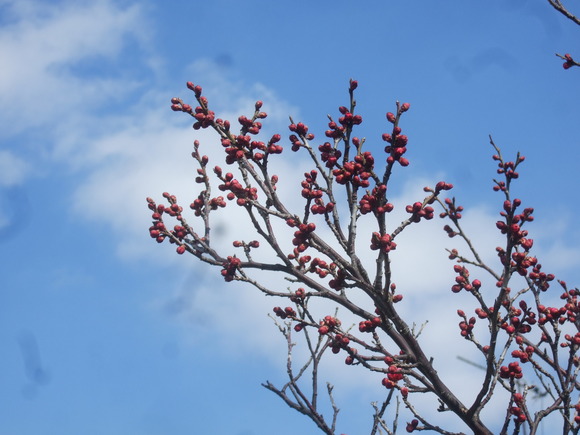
{"x": 526, "y": 346}
{"x": 522, "y": 332}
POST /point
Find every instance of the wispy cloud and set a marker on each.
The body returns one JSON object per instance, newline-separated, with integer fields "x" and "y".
{"x": 47, "y": 51}
{"x": 13, "y": 169}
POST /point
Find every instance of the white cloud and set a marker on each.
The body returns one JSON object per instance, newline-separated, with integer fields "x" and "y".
{"x": 556, "y": 238}
{"x": 13, "y": 169}
{"x": 41, "y": 46}
{"x": 145, "y": 153}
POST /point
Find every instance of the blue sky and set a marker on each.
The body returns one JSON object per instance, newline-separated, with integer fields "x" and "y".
{"x": 104, "y": 332}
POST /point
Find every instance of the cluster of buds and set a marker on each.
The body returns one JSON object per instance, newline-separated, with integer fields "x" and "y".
{"x": 335, "y": 131}
{"x": 483, "y": 314}
{"x": 260, "y": 149}
{"x": 394, "y": 297}
{"x": 419, "y": 211}
{"x": 517, "y": 411}
{"x": 352, "y": 356}
{"x": 369, "y": 325}
{"x": 572, "y": 340}
{"x": 376, "y": 201}
{"x": 302, "y": 131}
{"x": 520, "y": 320}
{"x": 394, "y": 375}
{"x": 251, "y": 126}
{"x": 298, "y": 296}
{"x": 301, "y": 236}
{"x": 203, "y": 116}
{"x": 356, "y": 172}
{"x": 462, "y": 280}
{"x": 526, "y": 243}
{"x": 243, "y": 147}
{"x": 396, "y": 151}
{"x": 507, "y": 168}
{"x": 303, "y": 261}
{"x": 466, "y": 326}
{"x": 552, "y": 315}
{"x": 502, "y": 255}
{"x": 321, "y": 267}
{"x": 499, "y": 186}
{"x": 452, "y": 210}
{"x": 383, "y": 242}
{"x": 320, "y": 208}
{"x": 348, "y": 119}
{"x": 450, "y": 231}
{"x": 240, "y": 244}
{"x": 512, "y": 371}
{"x": 339, "y": 341}
{"x": 440, "y": 186}
{"x": 174, "y": 210}
{"x": 521, "y": 262}
{"x": 237, "y": 148}
{"x": 179, "y": 232}
{"x": 329, "y": 154}
{"x": 568, "y": 62}
{"x": 243, "y": 194}
{"x": 310, "y": 188}
{"x": 328, "y": 324}
{"x": 572, "y": 306}
{"x": 198, "y": 205}
{"x": 284, "y": 313}
{"x": 201, "y": 174}
{"x": 523, "y": 354}
{"x": 513, "y": 223}
{"x": 339, "y": 281}
{"x": 412, "y": 425}
{"x": 157, "y": 229}
{"x": 177, "y": 105}
{"x": 273, "y": 147}
{"x": 510, "y": 208}
{"x": 541, "y": 279}
{"x": 197, "y": 90}
{"x": 223, "y": 124}
{"x": 229, "y": 268}
{"x": 397, "y": 142}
